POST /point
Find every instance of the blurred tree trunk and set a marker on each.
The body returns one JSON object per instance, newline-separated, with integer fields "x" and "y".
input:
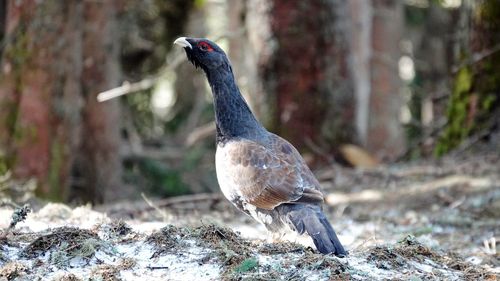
{"x": 361, "y": 12}
{"x": 300, "y": 81}
{"x": 100, "y": 121}
{"x": 377, "y": 28}
{"x": 322, "y": 71}
{"x": 484, "y": 104}
{"x": 247, "y": 51}
{"x": 433, "y": 52}
{"x": 58, "y": 56}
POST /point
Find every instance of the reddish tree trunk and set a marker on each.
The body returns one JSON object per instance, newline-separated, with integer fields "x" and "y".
{"x": 322, "y": 70}
{"x": 31, "y": 133}
{"x": 308, "y": 72}
{"x": 101, "y": 142}
{"x": 59, "y": 55}
{"x": 301, "y": 79}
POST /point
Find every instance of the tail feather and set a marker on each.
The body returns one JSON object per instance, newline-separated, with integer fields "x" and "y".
{"x": 310, "y": 219}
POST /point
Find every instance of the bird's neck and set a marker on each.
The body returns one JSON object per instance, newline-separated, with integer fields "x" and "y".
{"x": 233, "y": 117}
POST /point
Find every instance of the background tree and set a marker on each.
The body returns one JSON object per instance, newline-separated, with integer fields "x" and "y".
{"x": 473, "y": 106}
{"x": 295, "y": 68}
{"x": 313, "y": 76}
{"x": 56, "y": 58}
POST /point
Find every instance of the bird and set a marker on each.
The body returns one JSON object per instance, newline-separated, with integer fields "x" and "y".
{"x": 259, "y": 172}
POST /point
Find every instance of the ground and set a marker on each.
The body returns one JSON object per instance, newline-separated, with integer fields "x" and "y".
{"x": 433, "y": 220}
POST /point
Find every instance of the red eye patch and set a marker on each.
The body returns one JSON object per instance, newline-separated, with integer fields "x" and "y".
{"x": 205, "y": 46}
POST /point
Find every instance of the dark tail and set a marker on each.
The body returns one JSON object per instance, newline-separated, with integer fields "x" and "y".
{"x": 310, "y": 219}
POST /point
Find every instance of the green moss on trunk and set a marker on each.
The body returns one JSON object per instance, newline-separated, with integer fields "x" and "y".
{"x": 54, "y": 178}
{"x": 17, "y": 54}
{"x": 456, "y": 130}
{"x": 476, "y": 87}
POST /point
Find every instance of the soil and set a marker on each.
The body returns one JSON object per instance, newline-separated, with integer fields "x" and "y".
{"x": 437, "y": 220}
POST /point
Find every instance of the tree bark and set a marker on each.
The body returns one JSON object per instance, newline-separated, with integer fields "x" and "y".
{"x": 101, "y": 121}
{"x": 248, "y": 51}
{"x": 361, "y": 12}
{"x": 385, "y": 134}
{"x": 58, "y": 56}
{"x": 300, "y": 79}
{"x": 376, "y": 35}
{"x": 331, "y": 78}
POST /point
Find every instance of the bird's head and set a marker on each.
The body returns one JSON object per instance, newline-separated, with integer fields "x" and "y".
{"x": 204, "y": 53}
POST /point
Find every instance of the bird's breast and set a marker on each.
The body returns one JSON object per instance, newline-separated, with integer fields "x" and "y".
{"x": 224, "y": 176}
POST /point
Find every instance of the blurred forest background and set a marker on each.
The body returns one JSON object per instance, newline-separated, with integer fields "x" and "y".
{"x": 357, "y": 83}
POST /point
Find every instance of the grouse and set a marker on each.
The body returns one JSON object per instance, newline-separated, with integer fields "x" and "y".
{"x": 261, "y": 174}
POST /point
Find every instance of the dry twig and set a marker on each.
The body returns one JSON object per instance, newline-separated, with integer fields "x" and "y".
{"x": 477, "y": 57}
{"x": 175, "y": 60}
{"x": 162, "y": 213}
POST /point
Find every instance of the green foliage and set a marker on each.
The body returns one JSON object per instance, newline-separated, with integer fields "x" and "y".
{"x": 193, "y": 157}
{"x": 415, "y": 16}
{"x": 56, "y": 164}
{"x": 156, "y": 177}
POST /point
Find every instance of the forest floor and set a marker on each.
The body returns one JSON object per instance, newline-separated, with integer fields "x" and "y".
{"x": 437, "y": 220}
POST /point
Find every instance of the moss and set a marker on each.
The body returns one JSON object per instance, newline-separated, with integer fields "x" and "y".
{"x": 17, "y": 54}
{"x": 199, "y": 3}
{"x": 70, "y": 242}
{"x": 488, "y": 102}
{"x": 475, "y": 93}
{"x": 247, "y": 265}
{"x": 3, "y": 166}
{"x": 480, "y": 82}
{"x": 456, "y": 113}
{"x": 463, "y": 81}
{"x": 56, "y": 163}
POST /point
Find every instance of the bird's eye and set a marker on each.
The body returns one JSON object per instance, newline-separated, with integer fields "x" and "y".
{"x": 205, "y": 46}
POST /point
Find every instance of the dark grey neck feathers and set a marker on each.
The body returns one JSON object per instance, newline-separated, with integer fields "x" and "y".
{"x": 233, "y": 117}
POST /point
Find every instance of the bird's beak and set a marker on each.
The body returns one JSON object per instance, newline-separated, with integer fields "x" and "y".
{"x": 181, "y": 41}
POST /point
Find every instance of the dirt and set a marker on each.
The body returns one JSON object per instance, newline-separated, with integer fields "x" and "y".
{"x": 414, "y": 221}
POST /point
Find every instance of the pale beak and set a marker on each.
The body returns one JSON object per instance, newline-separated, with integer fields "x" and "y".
{"x": 181, "y": 41}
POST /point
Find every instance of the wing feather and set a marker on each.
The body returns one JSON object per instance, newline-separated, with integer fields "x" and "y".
{"x": 265, "y": 175}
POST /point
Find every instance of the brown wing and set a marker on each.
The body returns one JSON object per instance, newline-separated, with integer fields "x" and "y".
{"x": 266, "y": 175}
